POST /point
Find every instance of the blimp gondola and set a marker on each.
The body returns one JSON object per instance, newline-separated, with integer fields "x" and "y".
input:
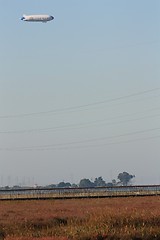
{"x": 37, "y": 18}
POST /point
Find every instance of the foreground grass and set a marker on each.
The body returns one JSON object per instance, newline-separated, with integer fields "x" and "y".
{"x": 85, "y": 219}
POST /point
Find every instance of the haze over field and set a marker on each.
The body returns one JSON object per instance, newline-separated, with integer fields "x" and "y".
{"x": 79, "y": 96}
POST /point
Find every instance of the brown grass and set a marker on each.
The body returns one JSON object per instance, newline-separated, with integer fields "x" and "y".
{"x": 81, "y": 219}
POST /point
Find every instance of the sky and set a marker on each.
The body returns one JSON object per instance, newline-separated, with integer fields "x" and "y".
{"x": 79, "y": 96}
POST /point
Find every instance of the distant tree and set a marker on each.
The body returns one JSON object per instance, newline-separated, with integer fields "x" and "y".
{"x": 63, "y": 185}
{"x": 68, "y": 184}
{"x": 114, "y": 182}
{"x": 86, "y": 183}
{"x": 16, "y": 187}
{"x": 109, "y": 184}
{"x": 99, "y": 182}
{"x": 125, "y": 178}
{"x": 51, "y": 186}
{"x": 74, "y": 185}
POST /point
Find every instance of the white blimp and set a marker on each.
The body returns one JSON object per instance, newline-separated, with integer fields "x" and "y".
{"x": 37, "y": 18}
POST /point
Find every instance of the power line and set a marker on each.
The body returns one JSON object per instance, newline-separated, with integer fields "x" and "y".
{"x": 80, "y": 147}
{"x": 87, "y": 124}
{"x": 77, "y": 126}
{"x": 63, "y": 145}
{"x": 97, "y": 145}
{"x": 79, "y": 107}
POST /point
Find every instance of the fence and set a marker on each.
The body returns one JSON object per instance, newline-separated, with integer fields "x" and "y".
{"x": 67, "y": 193}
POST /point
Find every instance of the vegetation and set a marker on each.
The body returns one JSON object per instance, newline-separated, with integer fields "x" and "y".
{"x": 123, "y": 179}
{"x": 85, "y": 219}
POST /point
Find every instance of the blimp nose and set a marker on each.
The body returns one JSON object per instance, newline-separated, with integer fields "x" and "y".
{"x": 22, "y": 18}
{"x": 52, "y": 17}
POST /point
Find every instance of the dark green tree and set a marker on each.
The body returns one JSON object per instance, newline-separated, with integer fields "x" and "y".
{"x": 51, "y": 186}
{"x": 74, "y": 185}
{"x": 125, "y": 178}
{"x": 114, "y": 182}
{"x": 99, "y": 182}
{"x": 86, "y": 183}
{"x": 63, "y": 185}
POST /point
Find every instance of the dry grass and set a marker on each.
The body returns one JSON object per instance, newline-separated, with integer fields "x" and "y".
{"x": 85, "y": 219}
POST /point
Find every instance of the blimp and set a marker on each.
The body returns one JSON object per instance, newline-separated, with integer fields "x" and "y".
{"x": 37, "y": 18}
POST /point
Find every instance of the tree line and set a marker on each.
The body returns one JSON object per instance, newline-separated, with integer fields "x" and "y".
{"x": 123, "y": 179}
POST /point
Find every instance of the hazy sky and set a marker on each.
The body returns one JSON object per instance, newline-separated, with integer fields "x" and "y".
{"x": 79, "y": 96}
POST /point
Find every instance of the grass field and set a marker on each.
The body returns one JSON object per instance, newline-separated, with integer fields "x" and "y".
{"x": 81, "y": 219}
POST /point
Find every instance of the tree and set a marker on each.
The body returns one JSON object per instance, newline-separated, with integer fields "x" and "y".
{"x": 74, "y": 185}
{"x": 114, "y": 182}
{"x": 125, "y": 178}
{"x": 99, "y": 182}
{"x": 86, "y": 183}
{"x": 51, "y": 186}
{"x": 64, "y": 185}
